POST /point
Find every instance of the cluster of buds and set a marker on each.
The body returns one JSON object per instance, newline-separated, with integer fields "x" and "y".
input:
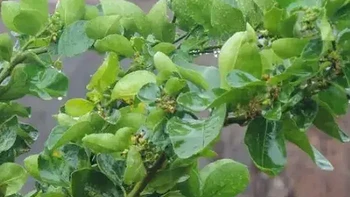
{"x": 167, "y": 103}
{"x": 308, "y": 22}
{"x": 55, "y": 26}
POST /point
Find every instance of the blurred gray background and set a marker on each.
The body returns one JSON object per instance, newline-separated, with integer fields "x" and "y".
{"x": 300, "y": 179}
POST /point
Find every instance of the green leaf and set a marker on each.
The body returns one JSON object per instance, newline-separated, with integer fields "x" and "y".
{"x": 124, "y": 137}
{"x": 273, "y": 19}
{"x": 155, "y": 118}
{"x": 165, "y": 47}
{"x": 133, "y": 18}
{"x": 91, "y": 183}
{"x": 284, "y": 3}
{"x": 78, "y": 107}
{"x": 335, "y": 97}
{"x": 200, "y": 11}
{"x": 332, "y": 6}
{"x": 173, "y": 194}
{"x": 326, "y": 28}
{"x": 183, "y": 13}
{"x": 265, "y": 5}
{"x": 106, "y": 74}
{"x": 56, "y": 168}
{"x": 265, "y": 143}
{"x": 325, "y": 121}
{"x": 103, "y": 26}
{"x": 71, "y": 10}
{"x": 163, "y": 63}
{"x": 295, "y": 47}
{"x": 8, "y": 134}
{"x": 174, "y": 86}
{"x": 74, "y": 40}
{"x": 12, "y": 177}
{"x": 109, "y": 43}
{"x": 273, "y": 113}
{"x": 40, "y": 6}
{"x": 61, "y": 135}
{"x": 224, "y": 178}
{"x": 135, "y": 170}
{"x": 191, "y": 187}
{"x": 133, "y": 120}
{"x": 31, "y": 165}
{"x": 130, "y": 84}
{"x": 239, "y": 79}
{"x": 149, "y": 93}
{"x": 251, "y": 11}
{"x": 21, "y": 22}
{"x": 112, "y": 168}
{"x": 298, "y": 136}
{"x": 101, "y": 143}
{"x": 161, "y": 28}
{"x": 189, "y": 137}
{"x": 195, "y": 101}
{"x": 229, "y": 55}
{"x": 9, "y": 10}
{"x": 222, "y": 16}
{"x": 91, "y": 12}
{"x": 6, "y": 46}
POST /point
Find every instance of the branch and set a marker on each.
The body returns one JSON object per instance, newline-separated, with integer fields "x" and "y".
{"x": 210, "y": 49}
{"x": 139, "y": 187}
{"x": 187, "y": 35}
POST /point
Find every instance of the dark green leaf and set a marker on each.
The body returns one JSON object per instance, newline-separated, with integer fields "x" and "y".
{"x": 112, "y": 168}
{"x": 149, "y": 93}
{"x": 74, "y": 40}
{"x": 5, "y": 47}
{"x": 135, "y": 170}
{"x": 191, "y": 187}
{"x": 335, "y": 97}
{"x": 325, "y": 121}
{"x": 298, "y": 137}
{"x": 273, "y": 113}
{"x": 189, "y": 137}
{"x": 8, "y": 134}
{"x": 90, "y": 183}
{"x": 103, "y": 26}
{"x": 13, "y": 177}
{"x": 224, "y": 178}
{"x": 239, "y": 79}
{"x": 265, "y": 142}
{"x": 71, "y": 10}
{"x": 56, "y": 168}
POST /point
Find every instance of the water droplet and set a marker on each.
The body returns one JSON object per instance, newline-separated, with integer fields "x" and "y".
{"x": 90, "y": 75}
{"x": 59, "y": 98}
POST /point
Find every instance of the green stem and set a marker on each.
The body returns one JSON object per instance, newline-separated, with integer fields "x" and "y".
{"x": 139, "y": 187}
{"x": 17, "y": 59}
{"x": 187, "y": 35}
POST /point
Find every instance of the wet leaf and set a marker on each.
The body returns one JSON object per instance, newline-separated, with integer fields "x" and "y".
{"x": 103, "y": 26}
{"x": 78, "y": 107}
{"x": 12, "y": 177}
{"x": 71, "y": 10}
{"x": 135, "y": 170}
{"x": 115, "y": 43}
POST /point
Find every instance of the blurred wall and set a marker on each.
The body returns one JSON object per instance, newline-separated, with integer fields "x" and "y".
{"x": 300, "y": 179}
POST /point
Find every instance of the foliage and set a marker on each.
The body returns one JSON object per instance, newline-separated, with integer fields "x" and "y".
{"x": 283, "y": 66}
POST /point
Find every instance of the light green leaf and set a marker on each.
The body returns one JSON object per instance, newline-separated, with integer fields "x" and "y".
{"x": 103, "y": 26}
{"x": 115, "y": 43}
{"x": 239, "y": 79}
{"x": 189, "y": 137}
{"x": 265, "y": 143}
{"x": 325, "y": 28}
{"x": 31, "y": 165}
{"x": 295, "y": 47}
{"x": 298, "y": 137}
{"x": 336, "y": 98}
{"x": 12, "y": 177}
{"x": 40, "y": 6}
{"x": 265, "y": 5}
{"x": 226, "y": 19}
{"x": 183, "y": 13}
{"x": 9, "y": 10}
{"x": 284, "y": 3}
{"x": 6, "y": 46}
{"x": 135, "y": 170}
{"x": 78, "y": 107}
{"x": 273, "y": 19}
{"x": 251, "y": 11}
{"x": 133, "y": 18}
{"x": 60, "y": 136}
{"x": 106, "y": 74}
{"x": 57, "y": 167}
{"x": 174, "y": 86}
{"x": 195, "y": 101}
{"x": 224, "y": 178}
{"x": 91, "y": 12}
{"x": 21, "y": 22}
{"x": 191, "y": 187}
{"x": 101, "y": 143}
{"x": 165, "y": 47}
{"x": 229, "y": 55}
{"x": 91, "y": 183}
{"x": 74, "y": 40}
{"x": 112, "y": 168}
{"x": 71, "y": 10}
{"x": 129, "y": 85}
{"x": 132, "y": 119}
{"x": 161, "y": 28}
{"x": 326, "y": 122}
